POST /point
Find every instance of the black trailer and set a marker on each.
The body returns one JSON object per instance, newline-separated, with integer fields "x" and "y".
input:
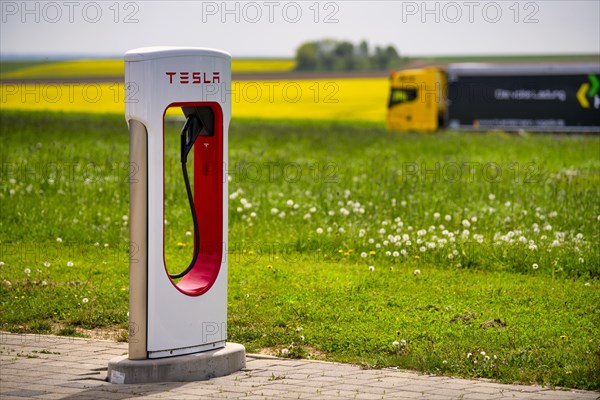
{"x": 534, "y": 97}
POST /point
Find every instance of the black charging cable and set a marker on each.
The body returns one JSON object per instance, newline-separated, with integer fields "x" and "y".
{"x": 190, "y": 132}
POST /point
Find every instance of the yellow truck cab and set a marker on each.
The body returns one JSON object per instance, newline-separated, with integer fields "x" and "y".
{"x": 417, "y": 100}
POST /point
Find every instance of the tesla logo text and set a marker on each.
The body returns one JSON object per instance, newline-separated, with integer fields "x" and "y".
{"x": 195, "y": 78}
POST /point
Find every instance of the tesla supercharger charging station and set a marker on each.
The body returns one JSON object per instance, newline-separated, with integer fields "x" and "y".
{"x": 184, "y": 313}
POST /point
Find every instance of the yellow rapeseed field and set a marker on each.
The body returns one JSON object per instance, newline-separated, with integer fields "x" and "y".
{"x": 69, "y": 69}
{"x": 99, "y": 68}
{"x": 322, "y": 99}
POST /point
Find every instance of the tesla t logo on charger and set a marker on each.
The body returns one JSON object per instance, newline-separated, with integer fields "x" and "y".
{"x": 194, "y": 77}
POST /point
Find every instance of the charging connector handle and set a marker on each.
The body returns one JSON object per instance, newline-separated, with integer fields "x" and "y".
{"x": 189, "y": 133}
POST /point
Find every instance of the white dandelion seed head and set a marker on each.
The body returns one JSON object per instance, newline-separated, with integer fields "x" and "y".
{"x": 436, "y": 215}
{"x": 290, "y": 203}
{"x": 363, "y": 254}
{"x": 70, "y": 264}
{"x": 395, "y": 344}
{"x": 27, "y": 271}
{"x": 535, "y": 266}
{"x": 84, "y": 300}
{"x": 59, "y": 240}
{"x": 319, "y": 230}
{"x": 417, "y": 272}
{"x": 492, "y": 196}
{"x": 371, "y": 268}
{"x": 448, "y": 217}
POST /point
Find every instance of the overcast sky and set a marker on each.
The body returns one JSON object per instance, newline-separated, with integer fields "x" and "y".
{"x": 276, "y": 28}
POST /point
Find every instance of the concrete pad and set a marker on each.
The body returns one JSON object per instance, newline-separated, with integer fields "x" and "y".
{"x": 187, "y": 368}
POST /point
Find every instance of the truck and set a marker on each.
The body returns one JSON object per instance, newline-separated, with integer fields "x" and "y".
{"x": 561, "y": 97}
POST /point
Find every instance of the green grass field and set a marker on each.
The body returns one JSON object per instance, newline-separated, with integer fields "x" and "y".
{"x": 461, "y": 254}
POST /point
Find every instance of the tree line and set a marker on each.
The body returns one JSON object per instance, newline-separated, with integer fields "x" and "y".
{"x": 335, "y": 55}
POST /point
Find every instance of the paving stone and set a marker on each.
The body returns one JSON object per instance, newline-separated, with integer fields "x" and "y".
{"x": 78, "y": 372}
